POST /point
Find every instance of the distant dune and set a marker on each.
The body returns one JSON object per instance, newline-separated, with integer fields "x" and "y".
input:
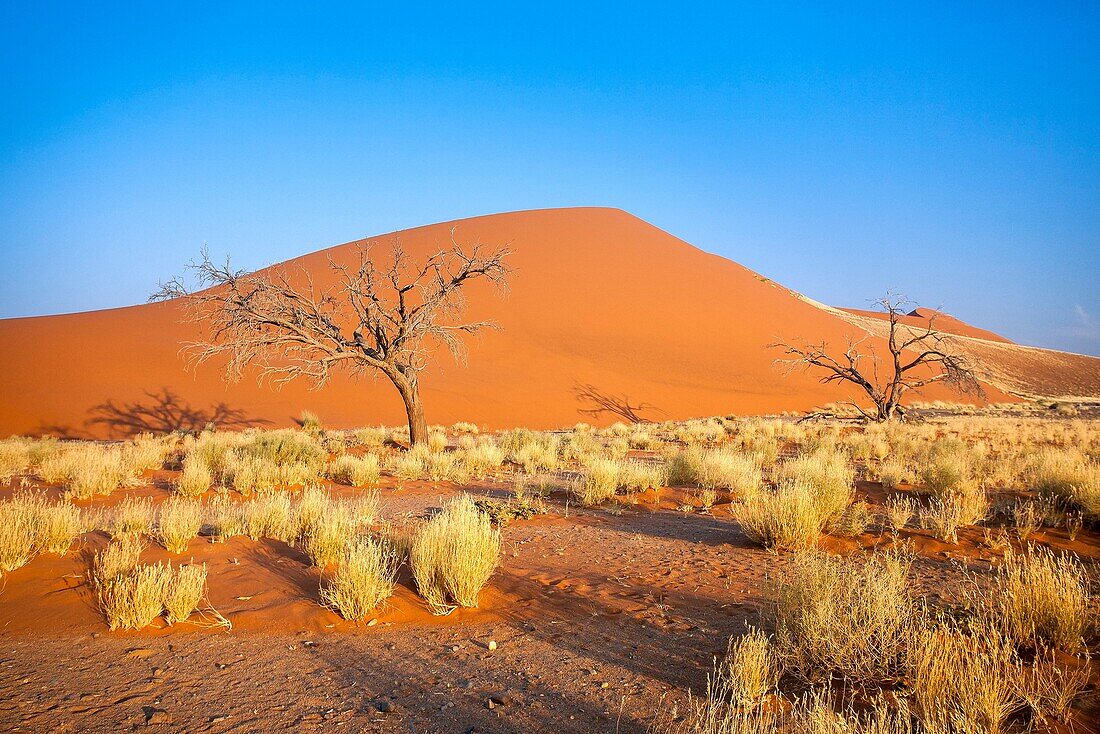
{"x": 598, "y": 298}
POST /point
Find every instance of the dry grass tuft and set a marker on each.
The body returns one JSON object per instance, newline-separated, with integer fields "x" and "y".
{"x": 225, "y": 517}
{"x": 178, "y": 521}
{"x": 1040, "y": 598}
{"x": 836, "y": 616}
{"x": 964, "y": 682}
{"x": 788, "y": 517}
{"x": 453, "y": 555}
{"x": 752, "y": 668}
{"x": 195, "y": 478}
{"x": 183, "y": 592}
{"x": 132, "y": 516}
{"x": 365, "y": 577}
{"x": 356, "y": 471}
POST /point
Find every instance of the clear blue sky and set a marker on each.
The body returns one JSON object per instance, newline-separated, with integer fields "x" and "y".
{"x": 949, "y": 151}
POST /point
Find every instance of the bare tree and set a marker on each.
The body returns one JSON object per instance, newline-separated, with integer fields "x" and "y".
{"x": 919, "y": 356}
{"x": 368, "y": 320}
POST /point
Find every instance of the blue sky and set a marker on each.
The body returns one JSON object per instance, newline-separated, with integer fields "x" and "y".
{"x": 948, "y": 152}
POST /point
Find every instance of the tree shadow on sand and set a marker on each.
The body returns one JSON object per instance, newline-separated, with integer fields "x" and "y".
{"x": 164, "y": 411}
{"x": 597, "y": 403}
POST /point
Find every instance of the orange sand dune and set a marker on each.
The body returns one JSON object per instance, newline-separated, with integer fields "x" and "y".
{"x": 598, "y": 297}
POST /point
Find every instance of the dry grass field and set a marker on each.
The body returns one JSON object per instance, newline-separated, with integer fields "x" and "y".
{"x": 709, "y": 576}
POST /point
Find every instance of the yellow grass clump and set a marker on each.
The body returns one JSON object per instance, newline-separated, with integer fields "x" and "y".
{"x": 837, "y": 616}
{"x": 268, "y": 516}
{"x": 453, "y": 555}
{"x": 132, "y": 516}
{"x": 1041, "y": 598}
{"x": 1069, "y": 476}
{"x": 788, "y": 517}
{"x": 225, "y": 517}
{"x": 364, "y": 578}
{"x": 183, "y": 592}
{"x": 195, "y": 478}
{"x": 178, "y": 521}
{"x": 752, "y": 668}
{"x": 356, "y": 471}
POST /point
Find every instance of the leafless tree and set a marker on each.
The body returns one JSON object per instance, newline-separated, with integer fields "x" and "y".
{"x": 919, "y": 356}
{"x": 372, "y": 318}
{"x": 617, "y": 405}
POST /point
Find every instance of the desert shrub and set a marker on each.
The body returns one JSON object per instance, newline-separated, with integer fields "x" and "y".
{"x": 601, "y": 479}
{"x": 371, "y": 437}
{"x": 268, "y": 516}
{"x": 828, "y": 477}
{"x": 531, "y": 451}
{"x": 118, "y": 558}
{"x": 899, "y": 511}
{"x": 131, "y": 596}
{"x": 501, "y": 512}
{"x": 481, "y": 457}
{"x": 195, "y": 478}
{"x": 225, "y": 517}
{"x": 15, "y": 458}
{"x": 465, "y": 427}
{"x": 855, "y": 520}
{"x": 89, "y": 469}
{"x": 147, "y": 452}
{"x": 453, "y": 555}
{"x": 945, "y": 515}
{"x": 183, "y": 592}
{"x": 132, "y": 600}
{"x": 310, "y": 422}
{"x": 685, "y": 467}
{"x": 178, "y": 521}
{"x": 420, "y": 462}
{"x": 787, "y": 517}
{"x": 1027, "y": 517}
{"x": 1070, "y": 476}
{"x": 18, "y": 535}
{"x": 356, "y": 471}
{"x": 705, "y": 499}
{"x": 1038, "y": 598}
{"x": 836, "y": 616}
{"x": 365, "y": 577}
{"x": 1049, "y": 686}
{"x": 327, "y": 539}
{"x": 752, "y": 668}
{"x": 727, "y": 469}
{"x": 437, "y": 441}
{"x": 964, "y": 681}
{"x": 892, "y": 473}
{"x": 132, "y": 516}
{"x": 599, "y": 482}
{"x": 948, "y": 469}
{"x": 637, "y": 475}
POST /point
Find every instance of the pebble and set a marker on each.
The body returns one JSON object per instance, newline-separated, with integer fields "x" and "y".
{"x": 492, "y": 645}
{"x": 384, "y": 706}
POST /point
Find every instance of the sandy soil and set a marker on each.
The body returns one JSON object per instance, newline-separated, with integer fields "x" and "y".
{"x": 598, "y": 297}
{"x": 602, "y": 620}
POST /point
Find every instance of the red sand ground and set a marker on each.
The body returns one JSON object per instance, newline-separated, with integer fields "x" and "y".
{"x": 598, "y": 297}
{"x": 602, "y": 619}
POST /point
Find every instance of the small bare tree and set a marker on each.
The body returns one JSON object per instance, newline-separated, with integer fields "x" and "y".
{"x": 919, "y": 356}
{"x": 367, "y": 320}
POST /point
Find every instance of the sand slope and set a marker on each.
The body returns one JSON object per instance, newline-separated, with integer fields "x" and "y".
{"x": 598, "y": 297}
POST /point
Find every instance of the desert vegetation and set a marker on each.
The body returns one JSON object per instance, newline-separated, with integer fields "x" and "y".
{"x": 846, "y": 519}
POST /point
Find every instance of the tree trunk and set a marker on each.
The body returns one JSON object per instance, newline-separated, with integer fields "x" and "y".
{"x": 414, "y": 409}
